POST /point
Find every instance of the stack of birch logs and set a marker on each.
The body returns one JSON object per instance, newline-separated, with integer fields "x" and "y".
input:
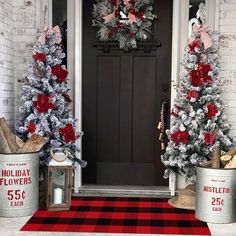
{"x": 10, "y": 143}
{"x": 228, "y": 160}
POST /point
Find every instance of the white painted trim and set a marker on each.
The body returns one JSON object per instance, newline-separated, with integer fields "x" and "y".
{"x": 49, "y": 14}
{"x": 78, "y": 84}
{"x": 71, "y": 43}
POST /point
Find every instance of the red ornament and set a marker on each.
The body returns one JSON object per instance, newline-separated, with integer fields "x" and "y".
{"x": 180, "y": 137}
{"x": 212, "y": 110}
{"x": 40, "y": 57}
{"x": 43, "y": 103}
{"x": 139, "y": 15}
{"x": 192, "y": 94}
{"x": 121, "y": 25}
{"x": 209, "y": 138}
{"x": 31, "y": 127}
{"x": 112, "y": 32}
{"x": 132, "y": 11}
{"x": 68, "y": 133}
{"x": 194, "y": 45}
{"x": 114, "y": 2}
{"x": 117, "y": 13}
{"x": 200, "y": 75}
{"x": 60, "y": 73}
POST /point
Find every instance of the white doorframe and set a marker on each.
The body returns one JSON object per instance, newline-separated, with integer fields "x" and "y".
{"x": 78, "y": 84}
{"x": 179, "y": 39}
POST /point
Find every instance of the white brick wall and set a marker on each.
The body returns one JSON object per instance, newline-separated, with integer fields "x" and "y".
{"x": 6, "y": 61}
{"x": 19, "y": 22}
{"x": 24, "y": 37}
{"x": 227, "y": 29}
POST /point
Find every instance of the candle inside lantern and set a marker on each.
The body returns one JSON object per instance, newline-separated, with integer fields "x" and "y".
{"x": 57, "y": 196}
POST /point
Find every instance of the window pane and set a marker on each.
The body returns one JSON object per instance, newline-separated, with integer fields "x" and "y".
{"x": 60, "y": 18}
{"x": 193, "y": 9}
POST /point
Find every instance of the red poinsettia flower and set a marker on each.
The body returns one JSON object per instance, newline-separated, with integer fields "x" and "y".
{"x": 212, "y": 110}
{"x": 180, "y": 137}
{"x": 192, "y": 46}
{"x": 40, "y": 57}
{"x": 31, "y": 127}
{"x": 68, "y": 133}
{"x": 192, "y": 94}
{"x": 60, "y": 73}
{"x": 43, "y": 103}
{"x": 200, "y": 75}
{"x": 209, "y": 138}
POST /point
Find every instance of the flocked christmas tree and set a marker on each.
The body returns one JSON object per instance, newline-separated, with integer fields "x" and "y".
{"x": 45, "y": 98}
{"x": 198, "y": 121}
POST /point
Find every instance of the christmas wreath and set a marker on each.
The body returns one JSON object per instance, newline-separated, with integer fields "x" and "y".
{"x": 125, "y": 21}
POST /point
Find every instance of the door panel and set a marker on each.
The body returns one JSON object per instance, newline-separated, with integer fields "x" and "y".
{"x": 108, "y": 108}
{"x": 122, "y": 95}
{"x": 144, "y": 109}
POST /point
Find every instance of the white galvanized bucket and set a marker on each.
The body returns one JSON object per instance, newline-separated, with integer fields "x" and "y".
{"x": 216, "y": 195}
{"x": 19, "y": 184}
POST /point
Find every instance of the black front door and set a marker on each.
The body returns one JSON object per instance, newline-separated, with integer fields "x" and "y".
{"x": 122, "y": 96}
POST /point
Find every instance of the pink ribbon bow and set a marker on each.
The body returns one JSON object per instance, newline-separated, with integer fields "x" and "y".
{"x": 205, "y": 37}
{"x": 56, "y": 30}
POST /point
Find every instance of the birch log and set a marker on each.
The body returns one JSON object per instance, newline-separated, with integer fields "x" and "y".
{"x": 4, "y": 147}
{"x": 33, "y": 144}
{"x": 9, "y": 136}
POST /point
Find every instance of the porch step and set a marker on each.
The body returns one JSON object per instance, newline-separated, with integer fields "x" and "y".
{"x": 124, "y": 191}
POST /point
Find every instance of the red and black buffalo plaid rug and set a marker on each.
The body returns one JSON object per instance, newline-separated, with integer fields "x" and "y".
{"x": 119, "y": 215}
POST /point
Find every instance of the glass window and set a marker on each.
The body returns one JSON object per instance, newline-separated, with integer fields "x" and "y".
{"x": 59, "y": 12}
{"x": 193, "y": 13}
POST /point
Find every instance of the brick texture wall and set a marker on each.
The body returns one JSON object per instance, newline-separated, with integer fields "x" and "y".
{"x": 227, "y": 27}
{"x": 6, "y": 61}
{"x": 19, "y": 22}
